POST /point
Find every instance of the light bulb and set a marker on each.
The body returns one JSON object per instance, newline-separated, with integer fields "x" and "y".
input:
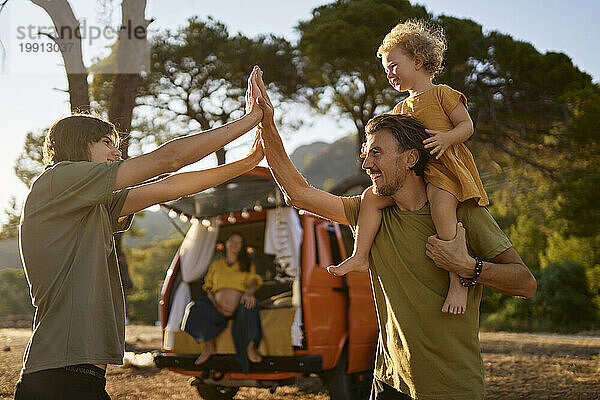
{"x": 205, "y": 223}
{"x": 172, "y": 214}
{"x": 231, "y": 219}
{"x": 245, "y": 214}
{"x": 258, "y": 207}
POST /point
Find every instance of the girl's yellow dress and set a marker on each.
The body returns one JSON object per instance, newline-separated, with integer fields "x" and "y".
{"x": 455, "y": 171}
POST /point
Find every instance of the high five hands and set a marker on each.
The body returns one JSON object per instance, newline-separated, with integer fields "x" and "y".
{"x": 253, "y": 93}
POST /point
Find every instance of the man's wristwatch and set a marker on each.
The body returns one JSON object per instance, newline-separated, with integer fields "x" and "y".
{"x": 468, "y": 282}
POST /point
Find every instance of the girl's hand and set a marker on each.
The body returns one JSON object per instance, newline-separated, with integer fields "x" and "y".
{"x": 253, "y": 93}
{"x": 248, "y": 300}
{"x": 440, "y": 141}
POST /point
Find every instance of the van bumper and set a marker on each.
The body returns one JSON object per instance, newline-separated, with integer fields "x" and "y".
{"x": 228, "y": 363}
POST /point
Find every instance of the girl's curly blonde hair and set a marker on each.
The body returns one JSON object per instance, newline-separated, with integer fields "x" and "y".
{"x": 418, "y": 37}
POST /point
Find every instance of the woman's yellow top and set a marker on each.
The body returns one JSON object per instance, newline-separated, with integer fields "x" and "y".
{"x": 220, "y": 275}
{"x": 455, "y": 171}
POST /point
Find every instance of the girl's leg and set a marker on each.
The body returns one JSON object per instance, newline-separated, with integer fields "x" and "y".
{"x": 369, "y": 219}
{"x": 443, "y": 212}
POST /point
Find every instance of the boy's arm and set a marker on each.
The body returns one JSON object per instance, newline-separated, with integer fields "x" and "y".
{"x": 463, "y": 130}
{"x": 188, "y": 183}
{"x": 186, "y": 150}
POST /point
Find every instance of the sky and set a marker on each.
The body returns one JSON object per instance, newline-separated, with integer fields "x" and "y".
{"x": 32, "y": 84}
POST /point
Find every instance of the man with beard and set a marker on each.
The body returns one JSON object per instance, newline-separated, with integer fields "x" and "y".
{"x": 421, "y": 353}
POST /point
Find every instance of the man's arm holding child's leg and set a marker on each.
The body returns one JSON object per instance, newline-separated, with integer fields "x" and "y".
{"x": 186, "y": 150}
{"x": 506, "y": 272}
{"x": 296, "y": 190}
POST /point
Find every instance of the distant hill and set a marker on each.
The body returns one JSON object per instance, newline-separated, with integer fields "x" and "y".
{"x": 154, "y": 225}
{"x": 325, "y": 165}
{"x": 305, "y": 153}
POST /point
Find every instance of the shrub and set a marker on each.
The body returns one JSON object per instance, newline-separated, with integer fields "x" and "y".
{"x": 14, "y": 292}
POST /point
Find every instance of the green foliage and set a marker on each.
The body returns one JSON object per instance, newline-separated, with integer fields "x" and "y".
{"x": 198, "y": 78}
{"x": 564, "y": 299}
{"x": 148, "y": 266}
{"x": 10, "y": 229}
{"x": 14, "y": 292}
{"x": 29, "y": 163}
{"x": 338, "y": 48}
{"x": 528, "y": 239}
{"x": 563, "y": 303}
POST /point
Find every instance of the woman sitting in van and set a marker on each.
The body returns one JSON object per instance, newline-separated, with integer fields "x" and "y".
{"x": 230, "y": 284}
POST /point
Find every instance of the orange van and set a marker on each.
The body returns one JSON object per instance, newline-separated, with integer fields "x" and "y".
{"x": 313, "y": 322}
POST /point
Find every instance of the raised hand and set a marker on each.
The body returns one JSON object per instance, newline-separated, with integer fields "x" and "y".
{"x": 264, "y": 101}
{"x": 253, "y": 93}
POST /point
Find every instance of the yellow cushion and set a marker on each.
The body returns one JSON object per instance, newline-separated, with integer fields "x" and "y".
{"x": 276, "y": 341}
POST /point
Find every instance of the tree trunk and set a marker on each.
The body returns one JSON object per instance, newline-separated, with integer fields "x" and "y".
{"x": 131, "y": 51}
{"x": 69, "y": 41}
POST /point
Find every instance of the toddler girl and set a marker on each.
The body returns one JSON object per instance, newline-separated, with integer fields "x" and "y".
{"x": 412, "y": 54}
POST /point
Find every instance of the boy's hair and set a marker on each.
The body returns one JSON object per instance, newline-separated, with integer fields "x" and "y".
{"x": 69, "y": 138}
{"x": 417, "y": 37}
{"x": 408, "y": 132}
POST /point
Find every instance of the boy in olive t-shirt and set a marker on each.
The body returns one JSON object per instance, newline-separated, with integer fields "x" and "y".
{"x": 71, "y": 213}
{"x": 84, "y": 195}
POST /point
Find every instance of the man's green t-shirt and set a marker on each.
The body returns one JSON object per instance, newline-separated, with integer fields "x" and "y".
{"x": 421, "y": 351}
{"x": 67, "y": 247}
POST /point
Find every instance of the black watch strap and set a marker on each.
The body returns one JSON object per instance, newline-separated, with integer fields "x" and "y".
{"x": 468, "y": 282}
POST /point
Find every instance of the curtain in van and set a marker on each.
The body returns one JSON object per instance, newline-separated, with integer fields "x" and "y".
{"x": 283, "y": 238}
{"x": 195, "y": 255}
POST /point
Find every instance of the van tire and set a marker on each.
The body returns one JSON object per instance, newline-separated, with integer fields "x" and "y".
{"x": 213, "y": 392}
{"x": 343, "y": 386}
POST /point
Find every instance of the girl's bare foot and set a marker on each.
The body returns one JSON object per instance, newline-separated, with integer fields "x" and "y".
{"x": 456, "y": 299}
{"x": 253, "y": 355}
{"x": 209, "y": 350}
{"x": 352, "y": 263}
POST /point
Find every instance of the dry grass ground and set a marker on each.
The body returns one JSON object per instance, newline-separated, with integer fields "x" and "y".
{"x": 517, "y": 366}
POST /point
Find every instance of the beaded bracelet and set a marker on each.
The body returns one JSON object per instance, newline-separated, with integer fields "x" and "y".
{"x": 468, "y": 282}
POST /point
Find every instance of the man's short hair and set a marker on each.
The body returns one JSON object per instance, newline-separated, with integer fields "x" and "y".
{"x": 408, "y": 132}
{"x": 69, "y": 138}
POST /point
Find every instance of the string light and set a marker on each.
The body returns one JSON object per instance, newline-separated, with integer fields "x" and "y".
{"x": 258, "y": 207}
{"x": 172, "y": 214}
{"x": 245, "y": 214}
{"x": 271, "y": 198}
{"x": 301, "y": 212}
{"x": 194, "y": 221}
{"x": 206, "y": 223}
{"x": 231, "y": 219}
{"x": 183, "y": 218}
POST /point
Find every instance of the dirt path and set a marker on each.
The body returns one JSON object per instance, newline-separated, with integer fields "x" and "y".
{"x": 517, "y": 366}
